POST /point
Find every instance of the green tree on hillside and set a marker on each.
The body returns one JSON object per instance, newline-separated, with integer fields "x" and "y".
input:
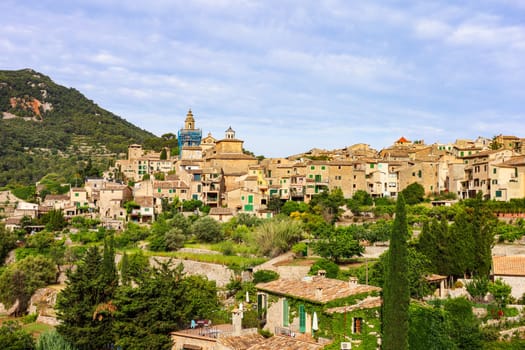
{"x": 396, "y": 295}
{"x": 85, "y": 306}
{"x": 414, "y": 193}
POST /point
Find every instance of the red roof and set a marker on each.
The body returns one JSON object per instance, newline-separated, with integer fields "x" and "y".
{"x": 402, "y": 140}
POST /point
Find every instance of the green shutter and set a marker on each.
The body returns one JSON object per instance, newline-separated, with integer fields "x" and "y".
{"x": 250, "y": 198}
{"x": 302, "y": 319}
{"x": 285, "y": 313}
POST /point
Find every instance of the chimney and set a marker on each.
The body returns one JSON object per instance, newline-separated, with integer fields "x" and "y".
{"x": 352, "y": 282}
{"x": 237, "y": 321}
{"x": 319, "y": 293}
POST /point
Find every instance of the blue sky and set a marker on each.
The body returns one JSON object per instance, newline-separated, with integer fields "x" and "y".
{"x": 288, "y": 76}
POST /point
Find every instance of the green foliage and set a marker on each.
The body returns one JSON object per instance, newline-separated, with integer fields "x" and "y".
{"x": 331, "y": 268}
{"x": 164, "y": 301}
{"x": 414, "y": 193}
{"x": 54, "y": 220}
{"x": 13, "y": 337}
{"x": 277, "y": 235}
{"x": 41, "y": 240}
{"x": 191, "y": 205}
{"x": 291, "y": 206}
{"x": 328, "y": 204}
{"x": 501, "y": 292}
{"x": 52, "y": 340}
{"x": 207, "y": 229}
{"x": 478, "y": 287}
{"x": 339, "y": 245}
{"x": 21, "y": 279}
{"x": 300, "y": 249}
{"x": 27, "y": 193}
{"x": 463, "y": 325}
{"x": 7, "y": 242}
{"x": 262, "y": 276}
{"x": 396, "y": 293}
{"x": 84, "y": 306}
{"x": 428, "y": 328}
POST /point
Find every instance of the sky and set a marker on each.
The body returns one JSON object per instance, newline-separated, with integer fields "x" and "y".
{"x": 286, "y": 75}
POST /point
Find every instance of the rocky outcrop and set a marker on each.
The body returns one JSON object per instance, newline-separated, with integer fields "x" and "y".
{"x": 43, "y": 303}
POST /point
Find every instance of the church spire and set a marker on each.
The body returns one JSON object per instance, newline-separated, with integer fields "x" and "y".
{"x": 189, "y": 123}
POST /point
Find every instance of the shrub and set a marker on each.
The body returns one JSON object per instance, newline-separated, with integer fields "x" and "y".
{"x": 331, "y": 268}
{"x": 262, "y": 276}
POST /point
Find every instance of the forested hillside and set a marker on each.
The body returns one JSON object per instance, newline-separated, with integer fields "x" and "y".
{"x": 48, "y": 128}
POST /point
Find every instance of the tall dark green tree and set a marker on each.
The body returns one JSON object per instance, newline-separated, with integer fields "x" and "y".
{"x": 396, "y": 295}
{"x": 85, "y": 306}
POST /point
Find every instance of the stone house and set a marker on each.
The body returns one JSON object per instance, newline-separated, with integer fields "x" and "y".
{"x": 481, "y": 172}
{"x": 321, "y": 308}
{"x": 510, "y": 269}
{"x": 509, "y": 179}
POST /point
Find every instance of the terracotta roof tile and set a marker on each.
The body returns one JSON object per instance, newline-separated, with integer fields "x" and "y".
{"x": 286, "y": 343}
{"x": 316, "y": 289}
{"x": 513, "y": 265}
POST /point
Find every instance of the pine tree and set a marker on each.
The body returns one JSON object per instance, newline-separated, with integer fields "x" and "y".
{"x": 84, "y": 306}
{"x": 396, "y": 295}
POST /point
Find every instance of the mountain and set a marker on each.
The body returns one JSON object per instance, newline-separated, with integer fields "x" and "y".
{"x": 48, "y": 128}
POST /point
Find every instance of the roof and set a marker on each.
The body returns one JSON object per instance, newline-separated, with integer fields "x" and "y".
{"x": 241, "y": 342}
{"x": 308, "y": 288}
{"x": 510, "y": 265}
{"x": 286, "y": 343}
{"x": 56, "y": 197}
{"x": 220, "y": 211}
{"x": 367, "y": 303}
{"x": 402, "y": 139}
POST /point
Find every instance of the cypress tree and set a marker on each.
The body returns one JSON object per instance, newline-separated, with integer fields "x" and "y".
{"x": 396, "y": 294}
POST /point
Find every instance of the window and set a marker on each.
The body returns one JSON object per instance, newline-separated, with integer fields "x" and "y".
{"x": 419, "y": 173}
{"x": 77, "y": 194}
{"x": 302, "y": 319}
{"x": 498, "y": 194}
{"x": 312, "y": 167}
{"x": 494, "y": 171}
{"x": 323, "y": 167}
{"x": 286, "y": 321}
{"x": 371, "y": 166}
{"x": 494, "y": 182}
{"x": 357, "y": 325}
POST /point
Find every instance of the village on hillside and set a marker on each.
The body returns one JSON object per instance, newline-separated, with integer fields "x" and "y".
{"x": 222, "y": 176}
{"x": 292, "y": 299}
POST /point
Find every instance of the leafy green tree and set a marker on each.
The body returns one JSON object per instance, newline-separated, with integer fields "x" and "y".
{"x": 428, "y": 328}
{"x": 20, "y": 280}
{"x": 414, "y": 193}
{"x": 291, "y": 206}
{"x": 331, "y": 268}
{"x": 54, "y": 220}
{"x": 478, "y": 287}
{"x": 396, "y": 294}
{"x": 13, "y": 337}
{"x": 84, "y": 306}
{"x": 362, "y": 197}
{"x": 463, "y": 325}
{"x": 501, "y": 292}
{"x": 163, "y": 301}
{"x": 328, "y": 204}
{"x": 41, "y": 240}
{"x": 207, "y": 229}
{"x": 339, "y": 245}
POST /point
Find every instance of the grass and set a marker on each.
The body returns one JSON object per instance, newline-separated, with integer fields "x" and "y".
{"x": 37, "y": 328}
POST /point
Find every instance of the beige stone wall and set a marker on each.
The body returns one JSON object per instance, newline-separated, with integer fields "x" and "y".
{"x": 517, "y": 284}
{"x": 229, "y": 146}
{"x": 214, "y": 272}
